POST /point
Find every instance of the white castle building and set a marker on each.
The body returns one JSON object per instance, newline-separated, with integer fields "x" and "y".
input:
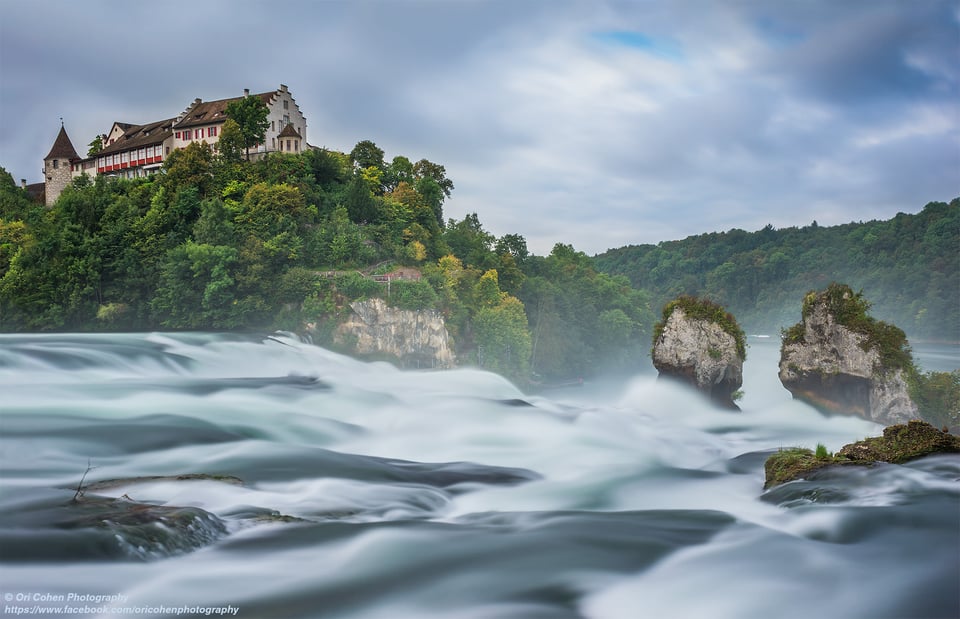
{"x": 137, "y": 150}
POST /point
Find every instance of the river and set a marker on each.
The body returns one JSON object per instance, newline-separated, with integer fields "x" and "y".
{"x": 314, "y": 485}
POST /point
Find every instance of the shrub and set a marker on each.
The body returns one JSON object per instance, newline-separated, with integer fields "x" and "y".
{"x": 937, "y": 395}
{"x": 355, "y": 286}
{"x": 413, "y": 295}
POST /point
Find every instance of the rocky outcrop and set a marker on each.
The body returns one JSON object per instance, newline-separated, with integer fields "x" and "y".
{"x": 415, "y": 338}
{"x": 699, "y": 352}
{"x": 840, "y": 369}
{"x": 899, "y": 444}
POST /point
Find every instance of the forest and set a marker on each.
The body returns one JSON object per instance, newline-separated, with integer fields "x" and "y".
{"x": 217, "y": 242}
{"x": 908, "y": 266}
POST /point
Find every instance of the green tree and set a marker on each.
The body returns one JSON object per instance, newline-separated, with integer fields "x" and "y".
{"x": 250, "y": 114}
{"x": 95, "y": 146}
{"x": 470, "y": 242}
{"x": 189, "y": 167}
{"x": 366, "y": 154}
{"x": 435, "y": 172}
{"x": 503, "y": 339}
{"x": 14, "y": 202}
{"x": 360, "y": 202}
{"x": 399, "y": 171}
{"x": 196, "y": 290}
{"x": 232, "y": 143}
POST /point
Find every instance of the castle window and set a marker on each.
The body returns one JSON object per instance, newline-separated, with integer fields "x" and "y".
{"x": 286, "y": 104}
{"x": 55, "y": 162}
{"x": 199, "y": 133}
{"x": 213, "y": 132}
{"x": 177, "y": 135}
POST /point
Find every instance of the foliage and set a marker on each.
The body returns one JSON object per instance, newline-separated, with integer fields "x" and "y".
{"x": 909, "y": 267}
{"x": 354, "y": 286}
{"x": 573, "y": 317}
{"x": 95, "y": 146}
{"x": 366, "y": 154}
{"x": 232, "y": 142}
{"x": 413, "y": 295}
{"x": 502, "y": 337}
{"x": 704, "y": 309}
{"x": 850, "y": 309}
{"x": 797, "y": 462}
{"x": 250, "y": 113}
{"x": 937, "y": 395}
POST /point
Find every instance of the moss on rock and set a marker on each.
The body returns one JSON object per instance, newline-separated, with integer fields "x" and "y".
{"x": 703, "y": 309}
{"x": 899, "y": 444}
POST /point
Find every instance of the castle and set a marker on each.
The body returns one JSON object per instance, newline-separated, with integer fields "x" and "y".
{"x": 138, "y": 150}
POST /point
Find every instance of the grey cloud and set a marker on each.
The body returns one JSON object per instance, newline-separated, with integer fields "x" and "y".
{"x": 773, "y": 113}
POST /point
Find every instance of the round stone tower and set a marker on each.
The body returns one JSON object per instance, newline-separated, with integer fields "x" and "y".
{"x": 57, "y": 166}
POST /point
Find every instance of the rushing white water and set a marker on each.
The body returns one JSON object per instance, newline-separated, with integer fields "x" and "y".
{"x": 335, "y": 488}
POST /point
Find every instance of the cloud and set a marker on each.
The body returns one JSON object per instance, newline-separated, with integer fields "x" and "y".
{"x": 595, "y": 124}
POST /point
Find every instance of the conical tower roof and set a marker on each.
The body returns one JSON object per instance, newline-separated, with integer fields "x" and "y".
{"x": 62, "y": 147}
{"x": 289, "y": 132}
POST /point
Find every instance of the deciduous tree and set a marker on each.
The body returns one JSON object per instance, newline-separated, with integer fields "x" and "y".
{"x": 250, "y": 114}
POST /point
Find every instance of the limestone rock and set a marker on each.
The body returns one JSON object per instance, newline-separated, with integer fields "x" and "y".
{"x": 416, "y": 338}
{"x": 700, "y": 353}
{"x": 832, "y": 367}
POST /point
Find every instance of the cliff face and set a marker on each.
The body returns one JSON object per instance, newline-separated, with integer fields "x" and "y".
{"x": 831, "y": 370}
{"x": 700, "y": 353}
{"x": 415, "y": 338}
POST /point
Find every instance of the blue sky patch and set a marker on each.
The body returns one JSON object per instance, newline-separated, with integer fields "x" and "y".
{"x": 661, "y": 47}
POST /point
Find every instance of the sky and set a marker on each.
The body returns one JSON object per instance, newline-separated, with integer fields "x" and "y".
{"x": 597, "y": 123}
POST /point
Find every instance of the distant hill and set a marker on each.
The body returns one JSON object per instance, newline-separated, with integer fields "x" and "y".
{"x": 908, "y": 267}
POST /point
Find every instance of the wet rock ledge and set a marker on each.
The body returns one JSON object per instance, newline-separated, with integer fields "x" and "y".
{"x": 899, "y": 444}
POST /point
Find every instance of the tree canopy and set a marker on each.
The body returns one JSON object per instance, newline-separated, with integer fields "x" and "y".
{"x": 908, "y": 266}
{"x": 219, "y": 242}
{"x": 250, "y": 113}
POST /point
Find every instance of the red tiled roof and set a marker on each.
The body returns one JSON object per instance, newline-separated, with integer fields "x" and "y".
{"x": 136, "y": 136}
{"x": 209, "y": 112}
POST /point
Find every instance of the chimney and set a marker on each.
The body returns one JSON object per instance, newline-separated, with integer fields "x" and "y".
{"x": 246, "y": 92}
{"x": 23, "y": 183}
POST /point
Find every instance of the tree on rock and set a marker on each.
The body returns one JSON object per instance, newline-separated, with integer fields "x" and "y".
{"x": 842, "y": 361}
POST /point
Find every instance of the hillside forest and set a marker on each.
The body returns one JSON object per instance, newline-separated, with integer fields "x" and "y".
{"x": 218, "y": 242}
{"x": 908, "y": 267}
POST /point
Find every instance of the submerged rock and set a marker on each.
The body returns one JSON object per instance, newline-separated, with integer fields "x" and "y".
{"x": 146, "y": 531}
{"x": 899, "y": 444}
{"x": 841, "y": 361}
{"x": 700, "y": 344}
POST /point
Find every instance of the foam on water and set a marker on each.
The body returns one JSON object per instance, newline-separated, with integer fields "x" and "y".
{"x": 454, "y": 494}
